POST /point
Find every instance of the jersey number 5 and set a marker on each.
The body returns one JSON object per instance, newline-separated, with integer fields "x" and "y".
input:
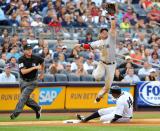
{"x": 130, "y": 103}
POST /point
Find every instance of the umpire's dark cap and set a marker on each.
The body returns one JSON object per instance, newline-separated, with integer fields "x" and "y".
{"x": 115, "y": 90}
{"x": 103, "y": 29}
{"x": 27, "y": 46}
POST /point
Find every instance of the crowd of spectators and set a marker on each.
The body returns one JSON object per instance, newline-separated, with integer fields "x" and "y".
{"x": 138, "y": 51}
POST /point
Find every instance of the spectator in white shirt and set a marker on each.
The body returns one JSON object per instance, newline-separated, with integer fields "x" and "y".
{"x": 6, "y": 76}
{"x": 131, "y": 77}
{"x": 120, "y": 49}
{"x": 37, "y": 21}
{"x": 74, "y": 65}
{"x": 3, "y": 60}
{"x": 145, "y": 70}
{"x": 88, "y": 65}
{"x": 32, "y": 40}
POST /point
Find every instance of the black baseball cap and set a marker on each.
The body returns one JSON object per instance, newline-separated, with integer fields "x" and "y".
{"x": 115, "y": 90}
{"x": 27, "y": 46}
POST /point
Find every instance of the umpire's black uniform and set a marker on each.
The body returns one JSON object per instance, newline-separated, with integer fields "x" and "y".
{"x": 28, "y": 82}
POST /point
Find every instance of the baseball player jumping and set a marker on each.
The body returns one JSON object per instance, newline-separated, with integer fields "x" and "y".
{"x": 107, "y": 64}
{"x": 122, "y": 112}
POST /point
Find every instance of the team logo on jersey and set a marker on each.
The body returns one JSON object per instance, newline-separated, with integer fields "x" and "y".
{"x": 149, "y": 93}
{"x": 48, "y": 95}
{"x": 21, "y": 65}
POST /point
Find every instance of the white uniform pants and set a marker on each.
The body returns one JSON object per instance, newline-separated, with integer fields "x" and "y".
{"x": 107, "y": 114}
{"x": 100, "y": 71}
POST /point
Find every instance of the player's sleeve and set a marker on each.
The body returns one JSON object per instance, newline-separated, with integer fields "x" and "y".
{"x": 93, "y": 45}
{"x": 97, "y": 44}
{"x": 20, "y": 63}
{"x": 111, "y": 39}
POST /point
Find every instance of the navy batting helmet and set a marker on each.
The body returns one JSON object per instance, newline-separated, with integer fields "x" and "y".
{"x": 115, "y": 90}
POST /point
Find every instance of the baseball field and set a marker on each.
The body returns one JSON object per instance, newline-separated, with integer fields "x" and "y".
{"x": 142, "y": 121}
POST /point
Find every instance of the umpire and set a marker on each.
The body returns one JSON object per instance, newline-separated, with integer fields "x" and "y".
{"x": 29, "y": 65}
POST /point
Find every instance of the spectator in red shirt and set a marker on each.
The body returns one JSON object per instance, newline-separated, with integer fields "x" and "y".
{"x": 154, "y": 14}
{"x": 94, "y": 10}
{"x": 137, "y": 56}
{"x": 56, "y": 24}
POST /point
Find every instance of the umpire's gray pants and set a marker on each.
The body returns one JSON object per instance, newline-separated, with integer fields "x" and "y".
{"x": 26, "y": 89}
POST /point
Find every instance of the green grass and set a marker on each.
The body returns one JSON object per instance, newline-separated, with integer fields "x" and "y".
{"x": 147, "y": 116}
{"x": 79, "y": 128}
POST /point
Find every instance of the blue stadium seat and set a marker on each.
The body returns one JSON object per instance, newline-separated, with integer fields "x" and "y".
{"x": 136, "y": 70}
{"x": 84, "y": 54}
{"x": 61, "y": 78}
{"x": 36, "y": 50}
{"x": 73, "y": 77}
{"x": 87, "y": 78}
{"x": 70, "y": 60}
{"x": 142, "y": 77}
{"x": 16, "y": 74}
{"x": 49, "y": 78}
{"x": 52, "y": 46}
{"x": 90, "y": 71}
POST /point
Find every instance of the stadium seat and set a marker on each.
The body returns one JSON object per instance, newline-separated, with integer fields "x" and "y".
{"x": 90, "y": 71}
{"x": 123, "y": 7}
{"x": 70, "y": 60}
{"x": 1, "y": 70}
{"x": 16, "y": 74}
{"x": 73, "y": 77}
{"x": 87, "y": 78}
{"x": 84, "y": 54}
{"x": 49, "y": 78}
{"x": 142, "y": 77}
{"x": 61, "y": 77}
{"x": 136, "y": 70}
{"x": 52, "y": 46}
{"x": 36, "y": 50}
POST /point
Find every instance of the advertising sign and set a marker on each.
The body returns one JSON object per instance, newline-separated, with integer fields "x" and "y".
{"x": 148, "y": 93}
{"x": 47, "y": 97}
{"x": 52, "y": 97}
{"x": 84, "y": 97}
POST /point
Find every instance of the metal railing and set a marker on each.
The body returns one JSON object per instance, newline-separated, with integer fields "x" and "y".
{"x": 47, "y": 32}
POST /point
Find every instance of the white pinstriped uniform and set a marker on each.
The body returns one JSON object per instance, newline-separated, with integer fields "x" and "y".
{"x": 124, "y": 108}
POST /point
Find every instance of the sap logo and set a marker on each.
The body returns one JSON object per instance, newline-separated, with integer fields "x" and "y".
{"x": 48, "y": 95}
{"x": 149, "y": 92}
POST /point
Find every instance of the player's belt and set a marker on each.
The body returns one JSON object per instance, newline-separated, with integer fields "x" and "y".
{"x": 108, "y": 63}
